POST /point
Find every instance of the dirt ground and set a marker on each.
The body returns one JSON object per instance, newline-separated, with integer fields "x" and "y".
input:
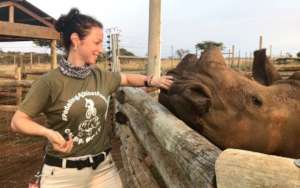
{"x": 20, "y": 159}
{"x": 20, "y": 156}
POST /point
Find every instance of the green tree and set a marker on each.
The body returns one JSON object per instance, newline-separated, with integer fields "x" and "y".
{"x": 125, "y": 52}
{"x": 47, "y": 43}
{"x": 298, "y": 54}
{"x": 181, "y": 52}
{"x": 207, "y": 44}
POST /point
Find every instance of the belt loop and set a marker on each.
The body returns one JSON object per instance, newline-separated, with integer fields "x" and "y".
{"x": 91, "y": 159}
{"x": 64, "y": 163}
{"x": 104, "y": 153}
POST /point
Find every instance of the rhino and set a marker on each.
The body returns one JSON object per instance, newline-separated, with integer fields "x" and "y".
{"x": 261, "y": 114}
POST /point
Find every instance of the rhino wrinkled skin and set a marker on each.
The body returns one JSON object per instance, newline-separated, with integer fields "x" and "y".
{"x": 232, "y": 111}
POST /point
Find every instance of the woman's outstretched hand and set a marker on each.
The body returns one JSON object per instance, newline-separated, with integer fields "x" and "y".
{"x": 164, "y": 82}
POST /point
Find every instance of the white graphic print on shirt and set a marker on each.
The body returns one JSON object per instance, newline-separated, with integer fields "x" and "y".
{"x": 91, "y": 126}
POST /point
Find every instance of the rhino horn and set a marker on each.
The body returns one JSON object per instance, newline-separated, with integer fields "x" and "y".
{"x": 263, "y": 70}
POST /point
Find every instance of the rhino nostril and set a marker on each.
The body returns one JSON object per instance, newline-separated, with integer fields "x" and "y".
{"x": 256, "y": 101}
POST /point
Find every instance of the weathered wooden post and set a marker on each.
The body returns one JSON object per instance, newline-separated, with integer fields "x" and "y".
{"x": 241, "y": 168}
{"x": 194, "y": 154}
{"x": 137, "y": 172}
{"x": 11, "y": 14}
{"x": 270, "y": 55}
{"x": 172, "y": 59}
{"x": 21, "y": 60}
{"x": 31, "y": 59}
{"x": 39, "y": 59}
{"x": 239, "y": 60}
{"x": 53, "y": 55}
{"x": 154, "y": 66}
{"x": 228, "y": 58}
{"x": 165, "y": 163}
{"x": 18, "y": 76}
{"x": 245, "y": 62}
{"x": 232, "y": 56}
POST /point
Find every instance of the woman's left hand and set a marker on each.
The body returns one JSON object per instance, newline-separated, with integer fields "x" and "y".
{"x": 163, "y": 82}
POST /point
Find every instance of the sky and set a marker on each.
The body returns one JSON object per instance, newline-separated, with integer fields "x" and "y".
{"x": 184, "y": 23}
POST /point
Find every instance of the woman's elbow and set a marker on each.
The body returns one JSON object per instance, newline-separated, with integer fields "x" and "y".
{"x": 13, "y": 126}
{"x": 14, "y": 121}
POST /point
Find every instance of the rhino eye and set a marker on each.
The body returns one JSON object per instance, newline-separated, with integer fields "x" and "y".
{"x": 256, "y": 101}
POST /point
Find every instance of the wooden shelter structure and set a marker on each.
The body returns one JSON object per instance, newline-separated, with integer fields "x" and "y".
{"x": 22, "y": 21}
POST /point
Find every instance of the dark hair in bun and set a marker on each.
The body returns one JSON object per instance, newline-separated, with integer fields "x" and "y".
{"x": 75, "y": 22}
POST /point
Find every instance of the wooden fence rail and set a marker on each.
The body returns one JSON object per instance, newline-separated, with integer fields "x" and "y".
{"x": 164, "y": 161}
{"x": 194, "y": 154}
{"x": 15, "y": 80}
{"x": 155, "y": 127}
{"x": 289, "y": 68}
{"x": 137, "y": 174}
{"x": 8, "y": 108}
{"x": 16, "y": 83}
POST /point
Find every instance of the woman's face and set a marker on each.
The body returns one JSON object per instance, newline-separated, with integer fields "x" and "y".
{"x": 91, "y": 46}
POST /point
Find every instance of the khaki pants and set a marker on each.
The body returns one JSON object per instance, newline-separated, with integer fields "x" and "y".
{"x": 105, "y": 176}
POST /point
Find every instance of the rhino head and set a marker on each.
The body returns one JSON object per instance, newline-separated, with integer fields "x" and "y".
{"x": 233, "y": 111}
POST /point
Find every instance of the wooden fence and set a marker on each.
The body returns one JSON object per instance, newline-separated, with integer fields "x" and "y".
{"x": 184, "y": 158}
{"x": 15, "y": 81}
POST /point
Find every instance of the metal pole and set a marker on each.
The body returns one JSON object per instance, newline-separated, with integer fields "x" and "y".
{"x": 154, "y": 65}
{"x": 115, "y": 52}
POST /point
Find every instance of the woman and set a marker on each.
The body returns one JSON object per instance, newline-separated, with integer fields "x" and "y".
{"x": 74, "y": 98}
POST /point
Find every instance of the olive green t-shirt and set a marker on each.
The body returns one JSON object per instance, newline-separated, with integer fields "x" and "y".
{"x": 75, "y": 106}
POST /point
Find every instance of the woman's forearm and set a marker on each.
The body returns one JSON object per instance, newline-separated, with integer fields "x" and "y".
{"x": 23, "y": 124}
{"x": 135, "y": 80}
{"x": 138, "y": 80}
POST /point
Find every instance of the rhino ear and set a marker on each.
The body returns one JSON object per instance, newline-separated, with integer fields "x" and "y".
{"x": 199, "y": 97}
{"x": 263, "y": 70}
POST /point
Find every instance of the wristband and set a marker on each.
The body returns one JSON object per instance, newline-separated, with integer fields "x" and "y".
{"x": 147, "y": 82}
